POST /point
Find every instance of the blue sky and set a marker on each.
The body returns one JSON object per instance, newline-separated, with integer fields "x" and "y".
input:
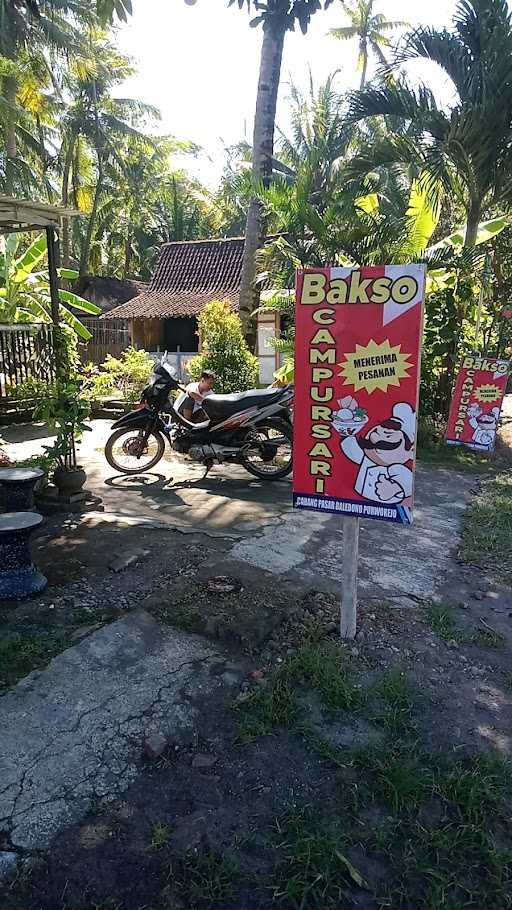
{"x": 199, "y": 65}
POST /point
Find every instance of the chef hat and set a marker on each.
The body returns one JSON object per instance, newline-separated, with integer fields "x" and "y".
{"x": 407, "y": 418}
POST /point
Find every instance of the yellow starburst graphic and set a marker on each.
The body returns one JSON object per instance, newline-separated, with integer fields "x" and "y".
{"x": 375, "y": 366}
{"x": 485, "y": 393}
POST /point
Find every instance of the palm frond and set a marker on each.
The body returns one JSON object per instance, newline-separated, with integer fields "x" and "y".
{"x": 344, "y": 34}
{"x": 443, "y": 48}
{"x": 399, "y": 100}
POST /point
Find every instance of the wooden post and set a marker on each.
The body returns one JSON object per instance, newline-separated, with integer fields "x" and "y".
{"x": 53, "y": 263}
{"x": 348, "y": 616}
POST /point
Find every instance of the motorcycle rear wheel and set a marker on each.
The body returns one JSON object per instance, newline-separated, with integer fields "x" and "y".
{"x": 136, "y": 458}
{"x": 258, "y": 463}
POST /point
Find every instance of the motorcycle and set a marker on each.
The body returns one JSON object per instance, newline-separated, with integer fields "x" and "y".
{"x": 253, "y": 429}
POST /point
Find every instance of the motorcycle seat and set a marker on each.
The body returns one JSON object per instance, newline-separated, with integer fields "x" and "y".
{"x": 222, "y": 406}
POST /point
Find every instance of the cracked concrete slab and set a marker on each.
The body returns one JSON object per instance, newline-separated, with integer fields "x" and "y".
{"x": 282, "y": 548}
{"x": 74, "y": 732}
{"x": 394, "y": 561}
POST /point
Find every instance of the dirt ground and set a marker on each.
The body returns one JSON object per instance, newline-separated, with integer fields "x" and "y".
{"x": 371, "y": 775}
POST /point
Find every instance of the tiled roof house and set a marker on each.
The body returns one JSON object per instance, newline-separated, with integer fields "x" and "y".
{"x": 188, "y": 275}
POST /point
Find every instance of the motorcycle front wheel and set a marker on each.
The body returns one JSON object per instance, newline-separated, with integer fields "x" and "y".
{"x": 132, "y": 451}
{"x": 268, "y": 454}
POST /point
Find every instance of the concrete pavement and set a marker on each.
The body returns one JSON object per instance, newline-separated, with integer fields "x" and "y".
{"x": 268, "y": 533}
{"x": 73, "y": 732}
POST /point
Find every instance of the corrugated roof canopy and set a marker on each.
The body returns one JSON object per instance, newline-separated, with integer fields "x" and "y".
{"x": 188, "y": 275}
{"x": 27, "y": 215}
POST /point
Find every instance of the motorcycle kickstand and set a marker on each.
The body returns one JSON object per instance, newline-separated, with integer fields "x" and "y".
{"x": 208, "y": 465}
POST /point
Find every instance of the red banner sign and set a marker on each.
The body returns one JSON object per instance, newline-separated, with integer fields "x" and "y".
{"x": 476, "y": 403}
{"x": 357, "y": 368}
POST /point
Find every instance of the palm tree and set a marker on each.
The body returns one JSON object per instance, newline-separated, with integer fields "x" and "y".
{"x": 146, "y": 203}
{"x": 470, "y": 148}
{"x": 276, "y": 17}
{"x": 319, "y": 139}
{"x": 105, "y": 9}
{"x": 99, "y": 119}
{"x": 27, "y": 125}
{"x": 369, "y": 28}
{"x": 235, "y": 190}
{"x": 27, "y": 30}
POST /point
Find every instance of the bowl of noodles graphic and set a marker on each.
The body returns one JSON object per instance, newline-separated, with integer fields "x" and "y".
{"x": 350, "y": 418}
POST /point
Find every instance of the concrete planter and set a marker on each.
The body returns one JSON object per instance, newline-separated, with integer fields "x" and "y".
{"x": 69, "y": 480}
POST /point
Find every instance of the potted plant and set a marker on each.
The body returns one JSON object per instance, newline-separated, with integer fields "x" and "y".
{"x": 65, "y": 411}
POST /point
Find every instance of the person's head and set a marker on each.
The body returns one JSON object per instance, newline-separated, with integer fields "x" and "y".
{"x": 207, "y": 381}
{"x": 392, "y": 440}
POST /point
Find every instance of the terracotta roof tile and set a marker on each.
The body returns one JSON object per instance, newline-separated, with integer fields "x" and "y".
{"x": 163, "y": 305}
{"x": 187, "y": 276}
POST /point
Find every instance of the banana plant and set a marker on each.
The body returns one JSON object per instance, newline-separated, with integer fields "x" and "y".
{"x": 25, "y": 288}
{"x": 445, "y": 277}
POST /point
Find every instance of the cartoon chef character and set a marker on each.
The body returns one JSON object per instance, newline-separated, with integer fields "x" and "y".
{"x": 484, "y": 425}
{"x": 383, "y": 454}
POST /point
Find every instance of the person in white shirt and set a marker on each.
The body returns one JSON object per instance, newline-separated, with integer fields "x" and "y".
{"x": 196, "y": 391}
{"x": 383, "y": 454}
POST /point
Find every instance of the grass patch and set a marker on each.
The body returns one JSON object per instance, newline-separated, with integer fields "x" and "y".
{"x": 160, "y": 837}
{"x": 487, "y": 536}
{"x": 397, "y": 776}
{"x": 436, "y": 452}
{"x": 323, "y": 666}
{"x": 267, "y": 709}
{"x": 477, "y": 789}
{"x": 397, "y": 701}
{"x": 202, "y": 879}
{"x": 487, "y": 638}
{"x": 19, "y": 656}
{"x": 450, "y": 866}
{"x": 507, "y": 682}
{"x": 440, "y": 619}
{"x": 181, "y": 614}
{"x": 312, "y": 869}
{"x": 319, "y": 665}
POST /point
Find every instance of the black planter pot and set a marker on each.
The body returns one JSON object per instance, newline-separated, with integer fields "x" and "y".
{"x": 69, "y": 480}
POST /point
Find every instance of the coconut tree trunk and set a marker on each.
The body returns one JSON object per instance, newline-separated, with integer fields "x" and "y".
{"x": 11, "y": 147}
{"x": 86, "y": 249}
{"x": 66, "y": 257}
{"x": 263, "y": 148}
{"x": 474, "y": 216}
{"x": 127, "y": 253}
{"x": 364, "y": 53}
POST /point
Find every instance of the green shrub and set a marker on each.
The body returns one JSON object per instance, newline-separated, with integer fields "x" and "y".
{"x": 125, "y": 376}
{"x": 32, "y": 390}
{"x": 224, "y": 350}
